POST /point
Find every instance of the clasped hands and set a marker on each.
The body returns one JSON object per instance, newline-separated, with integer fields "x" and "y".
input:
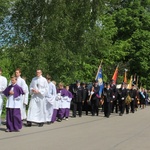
{"x": 11, "y": 92}
{"x": 35, "y": 91}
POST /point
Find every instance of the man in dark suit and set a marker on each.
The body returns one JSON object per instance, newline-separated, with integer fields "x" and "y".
{"x": 77, "y": 99}
{"x": 122, "y": 94}
{"x": 95, "y": 99}
{"x": 107, "y": 96}
{"x": 114, "y": 103}
{"x": 85, "y": 98}
{"x": 133, "y": 95}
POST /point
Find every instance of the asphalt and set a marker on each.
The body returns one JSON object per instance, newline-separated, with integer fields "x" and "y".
{"x": 127, "y": 132}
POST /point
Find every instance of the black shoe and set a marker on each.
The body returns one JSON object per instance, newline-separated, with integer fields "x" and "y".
{"x": 40, "y": 125}
{"x": 3, "y": 122}
{"x": 48, "y": 122}
{"x": 73, "y": 117}
{"x": 120, "y": 114}
{"x": 28, "y": 125}
{"x": 59, "y": 120}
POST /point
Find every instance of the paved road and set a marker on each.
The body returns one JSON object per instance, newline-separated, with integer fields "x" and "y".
{"x": 127, "y": 132}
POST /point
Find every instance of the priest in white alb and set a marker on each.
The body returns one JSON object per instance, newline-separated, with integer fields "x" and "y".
{"x": 21, "y": 82}
{"x": 25, "y": 102}
{"x": 38, "y": 90}
{"x": 3, "y": 85}
{"x": 50, "y": 99}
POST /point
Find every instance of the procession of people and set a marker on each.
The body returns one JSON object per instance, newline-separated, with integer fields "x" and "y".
{"x": 48, "y": 103}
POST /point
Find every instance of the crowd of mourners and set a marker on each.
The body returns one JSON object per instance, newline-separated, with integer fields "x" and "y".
{"x": 49, "y": 103}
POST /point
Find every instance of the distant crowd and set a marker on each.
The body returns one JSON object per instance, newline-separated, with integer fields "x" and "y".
{"x": 49, "y": 103}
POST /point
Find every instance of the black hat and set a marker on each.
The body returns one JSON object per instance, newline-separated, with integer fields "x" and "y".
{"x": 123, "y": 83}
{"x": 107, "y": 83}
{"x": 95, "y": 81}
{"x": 112, "y": 80}
{"x": 83, "y": 83}
{"x": 77, "y": 81}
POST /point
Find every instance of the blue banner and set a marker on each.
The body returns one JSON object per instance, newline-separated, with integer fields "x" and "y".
{"x": 100, "y": 81}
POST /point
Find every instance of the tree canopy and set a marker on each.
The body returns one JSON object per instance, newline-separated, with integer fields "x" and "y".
{"x": 68, "y": 38}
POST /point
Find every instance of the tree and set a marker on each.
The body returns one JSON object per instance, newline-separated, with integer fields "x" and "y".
{"x": 132, "y": 21}
{"x": 69, "y": 38}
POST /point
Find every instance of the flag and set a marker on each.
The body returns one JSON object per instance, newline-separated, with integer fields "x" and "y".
{"x": 100, "y": 81}
{"x": 134, "y": 79}
{"x": 114, "y": 78}
{"x": 130, "y": 83}
{"x": 125, "y": 76}
{"x": 137, "y": 81}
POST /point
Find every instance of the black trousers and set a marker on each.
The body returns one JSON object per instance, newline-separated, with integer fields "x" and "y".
{"x": 122, "y": 106}
{"x": 132, "y": 106}
{"x": 86, "y": 107}
{"x": 114, "y": 106}
{"x": 77, "y": 106}
{"x": 95, "y": 106}
{"x": 127, "y": 108}
{"x": 107, "y": 109}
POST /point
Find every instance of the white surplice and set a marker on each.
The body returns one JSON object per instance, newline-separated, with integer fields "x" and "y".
{"x": 3, "y": 85}
{"x": 21, "y": 82}
{"x": 50, "y": 100}
{"x": 37, "y": 111}
{"x": 57, "y": 101}
{"x": 68, "y": 102}
{"x": 24, "y": 103}
{"x": 13, "y": 102}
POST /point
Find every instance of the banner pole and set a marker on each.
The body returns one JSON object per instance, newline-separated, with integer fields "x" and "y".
{"x": 99, "y": 68}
